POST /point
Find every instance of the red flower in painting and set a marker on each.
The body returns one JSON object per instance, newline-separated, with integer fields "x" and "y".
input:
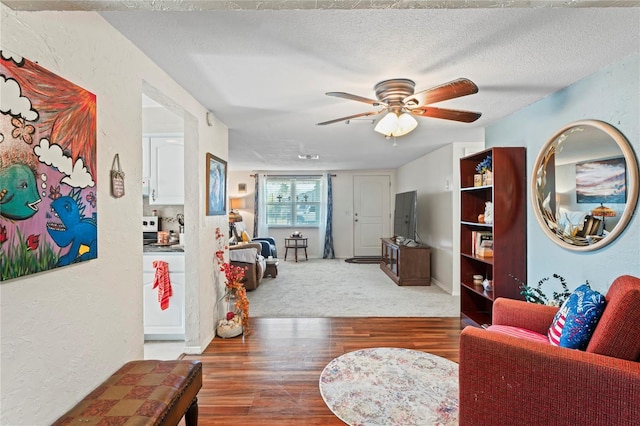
{"x": 22, "y": 130}
{"x": 3, "y": 234}
{"x": 33, "y": 241}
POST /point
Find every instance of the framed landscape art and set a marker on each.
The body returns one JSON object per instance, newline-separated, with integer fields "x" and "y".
{"x": 601, "y": 181}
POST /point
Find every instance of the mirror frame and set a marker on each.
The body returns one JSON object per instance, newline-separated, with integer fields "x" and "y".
{"x": 559, "y": 237}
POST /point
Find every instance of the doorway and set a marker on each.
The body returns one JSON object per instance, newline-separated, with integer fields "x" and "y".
{"x": 371, "y": 213}
{"x": 163, "y": 129}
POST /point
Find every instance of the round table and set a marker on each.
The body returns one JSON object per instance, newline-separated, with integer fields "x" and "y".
{"x": 295, "y": 243}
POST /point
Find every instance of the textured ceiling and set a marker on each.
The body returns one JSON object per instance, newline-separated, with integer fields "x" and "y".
{"x": 264, "y": 72}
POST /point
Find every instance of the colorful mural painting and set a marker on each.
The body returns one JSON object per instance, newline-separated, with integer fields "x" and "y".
{"x": 48, "y": 189}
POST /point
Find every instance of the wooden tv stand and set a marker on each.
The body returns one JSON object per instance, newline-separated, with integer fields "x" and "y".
{"x": 406, "y": 265}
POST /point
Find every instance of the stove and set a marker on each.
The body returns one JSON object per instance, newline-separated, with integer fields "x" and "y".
{"x": 150, "y": 229}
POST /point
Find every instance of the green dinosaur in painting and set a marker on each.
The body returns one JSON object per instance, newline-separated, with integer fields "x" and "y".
{"x": 18, "y": 192}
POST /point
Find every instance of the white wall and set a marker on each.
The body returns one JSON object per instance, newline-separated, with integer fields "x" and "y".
{"x": 342, "y": 185}
{"x": 436, "y": 177}
{"x": 610, "y": 95}
{"x": 65, "y": 330}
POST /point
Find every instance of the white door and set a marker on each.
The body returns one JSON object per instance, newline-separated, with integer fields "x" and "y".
{"x": 371, "y": 214}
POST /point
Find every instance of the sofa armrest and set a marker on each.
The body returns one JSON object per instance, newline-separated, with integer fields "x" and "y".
{"x": 506, "y": 380}
{"x": 270, "y": 240}
{"x": 250, "y": 280}
{"x": 518, "y": 313}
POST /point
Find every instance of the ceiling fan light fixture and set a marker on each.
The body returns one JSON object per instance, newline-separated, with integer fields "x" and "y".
{"x": 406, "y": 124}
{"x": 388, "y": 124}
{"x": 392, "y": 125}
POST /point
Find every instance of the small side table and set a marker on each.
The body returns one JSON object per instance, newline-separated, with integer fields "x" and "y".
{"x": 271, "y": 268}
{"x": 295, "y": 244}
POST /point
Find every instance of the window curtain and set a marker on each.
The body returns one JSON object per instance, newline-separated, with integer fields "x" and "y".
{"x": 256, "y": 205}
{"x": 260, "y": 228}
{"x": 327, "y": 250}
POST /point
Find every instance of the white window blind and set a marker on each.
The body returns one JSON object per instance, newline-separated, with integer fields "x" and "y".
{"x": 293, "y": 201}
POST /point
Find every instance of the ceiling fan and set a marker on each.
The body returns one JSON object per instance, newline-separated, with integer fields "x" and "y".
{"x": 397, "y": 98}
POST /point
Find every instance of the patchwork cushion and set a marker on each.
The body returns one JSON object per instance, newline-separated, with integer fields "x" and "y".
{"x": 576, "y": 320}
{"x": 146, "y": 392}
{"x": 521, "y": 333}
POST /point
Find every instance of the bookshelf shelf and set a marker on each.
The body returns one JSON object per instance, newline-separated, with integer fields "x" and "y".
{"x": 508, "y": 231}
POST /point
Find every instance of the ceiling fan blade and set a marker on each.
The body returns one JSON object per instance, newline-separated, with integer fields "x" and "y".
{"x": 355, "y": 98}
{"x": 446, "y": 91}
{"x": 363, "y": 114}
{"x": 447, "y": 114}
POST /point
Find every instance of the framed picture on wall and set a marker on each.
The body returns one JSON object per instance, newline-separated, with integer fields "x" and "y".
{"x": 216, "y": 186}
{"x": 48, "y": 168}
{"x": 601, "y": 181}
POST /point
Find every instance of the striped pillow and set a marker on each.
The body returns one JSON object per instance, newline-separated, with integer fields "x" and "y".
{"x": 520, "y": 333}
{"x": 576, "y": 320}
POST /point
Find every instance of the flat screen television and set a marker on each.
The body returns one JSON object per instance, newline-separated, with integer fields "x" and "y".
{"x": 405, "y": 215}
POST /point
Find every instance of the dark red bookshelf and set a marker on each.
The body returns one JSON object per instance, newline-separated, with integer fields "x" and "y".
{"x": 507, "y": 192}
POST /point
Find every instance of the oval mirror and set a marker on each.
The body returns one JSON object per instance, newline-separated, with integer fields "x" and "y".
{"x": 584, "y": 185}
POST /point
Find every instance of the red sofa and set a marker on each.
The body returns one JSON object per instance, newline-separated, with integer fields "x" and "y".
{"x": 505, "y": 380}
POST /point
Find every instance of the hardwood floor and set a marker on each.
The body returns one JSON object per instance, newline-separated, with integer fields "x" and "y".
{"x": 270, "y": 377}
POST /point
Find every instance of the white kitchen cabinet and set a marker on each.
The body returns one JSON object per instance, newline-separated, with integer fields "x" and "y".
{"x": 170, "y": 323}
{"x": 166, "y": 183}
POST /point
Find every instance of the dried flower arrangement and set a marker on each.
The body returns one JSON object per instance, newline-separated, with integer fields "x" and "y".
{"x": 234, "y": 290}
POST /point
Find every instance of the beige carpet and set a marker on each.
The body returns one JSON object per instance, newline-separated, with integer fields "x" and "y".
{"x": 335, "y": 288}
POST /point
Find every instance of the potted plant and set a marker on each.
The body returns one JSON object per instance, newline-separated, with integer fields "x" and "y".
{"x": 536, "y": 295}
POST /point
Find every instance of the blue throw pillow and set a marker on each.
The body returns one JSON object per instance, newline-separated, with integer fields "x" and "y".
{"x": 576, "y": 320}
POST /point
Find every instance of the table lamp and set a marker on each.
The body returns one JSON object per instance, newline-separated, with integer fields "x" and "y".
{"x": 603, "y": 212}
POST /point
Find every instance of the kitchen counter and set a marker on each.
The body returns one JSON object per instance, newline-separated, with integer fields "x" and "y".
{"x": 149, "y": 248}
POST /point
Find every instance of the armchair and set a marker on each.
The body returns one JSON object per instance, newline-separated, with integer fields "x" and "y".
{"x": 248, "y": 256}
{"x": 268, "y": 246}
{"x": 509, "y": 380}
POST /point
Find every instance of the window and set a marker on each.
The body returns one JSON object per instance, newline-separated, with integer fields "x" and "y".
{"x": 293, "y": 201}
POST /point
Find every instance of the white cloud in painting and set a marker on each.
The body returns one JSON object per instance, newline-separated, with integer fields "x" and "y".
{"x": 10, "y": 56}
{"x": 12, "y": 102}
{"x": 52, "y": 155}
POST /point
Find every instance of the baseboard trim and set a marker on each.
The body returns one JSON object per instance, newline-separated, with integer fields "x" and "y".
{"x": 442, "y": 286}
{"x": 193, "y": 350}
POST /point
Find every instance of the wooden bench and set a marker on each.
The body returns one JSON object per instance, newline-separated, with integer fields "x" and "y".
{"x": 145, "y": 392}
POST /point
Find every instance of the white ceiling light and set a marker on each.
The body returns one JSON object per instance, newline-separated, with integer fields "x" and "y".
{"x": 392, "y": 125}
